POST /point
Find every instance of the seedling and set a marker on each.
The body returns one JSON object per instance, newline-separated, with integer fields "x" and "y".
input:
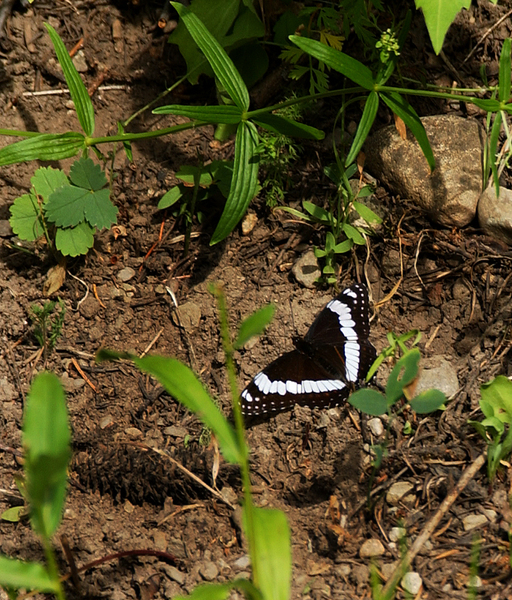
{"x": 48, "y": 324}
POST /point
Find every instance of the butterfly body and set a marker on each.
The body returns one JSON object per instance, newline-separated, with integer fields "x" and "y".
{"x": 326, "y": 365}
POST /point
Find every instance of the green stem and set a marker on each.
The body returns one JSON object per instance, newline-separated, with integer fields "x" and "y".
{"x": 51, "y": 565}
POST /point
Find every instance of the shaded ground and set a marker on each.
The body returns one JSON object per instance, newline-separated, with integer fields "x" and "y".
{"x": 311, "y": 464}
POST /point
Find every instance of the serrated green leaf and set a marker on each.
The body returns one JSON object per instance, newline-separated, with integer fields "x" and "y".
{"x": 77, "y": 89}
{"x": 47, "y": 146}
{"x": 46, "y": 180}
{"x": 284, "y": 126}
{"x": 25, "y": 218}
{"x": 220, "y": 62}
{"x": 85, "y": 174}
{"x": 66, "y": 205}
{"x": 439, "y": 15}
{"x": 348, "y": 66}
{"x": 409, "y": 116}
{"x": 369, "y": 402}
{"x": 244, "y": 182}
{"x": 74, "y": 241}
{"x": 46, "y": 438}
{"x": 369, "y": 113}
{"x": 254, "y": 325}
{"x": 231, "y": 115}
{"x": 170, "y": 197}
{"x": 99, "y": 210}
{"x": 16, "y": 574}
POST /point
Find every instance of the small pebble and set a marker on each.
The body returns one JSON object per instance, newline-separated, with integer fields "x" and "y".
{"x": 133, "y": 433}
{"x": 306, "y": 269}
{"x": 106, "y": 421}
{"x": 208, "y": 570}
{"x": 243, "y": 562}
{"x": 126, "y": 274}
{"x": 397, "y": 533}
{"x": 472, "y": 521}
{"x": 371, "y": 548}
{"x": 397, "y": 491}
{"x": 176, "y": 431}
{"x": 376, "y": 427}
{"x": 249, "y": 223}
{"x": 412, "y": 582}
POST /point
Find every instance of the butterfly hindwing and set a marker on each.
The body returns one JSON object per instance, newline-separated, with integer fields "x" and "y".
{"x": 328, "y": 363}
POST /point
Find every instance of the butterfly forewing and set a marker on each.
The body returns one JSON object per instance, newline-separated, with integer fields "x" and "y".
{"x": 333, "y": 357}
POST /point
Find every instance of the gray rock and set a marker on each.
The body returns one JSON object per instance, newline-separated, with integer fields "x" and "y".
{"x": 89, "y": 307}
{"x": 188, "y": 316}
{"x": 126, "y": 274}
{"x": 472, "y": 521}
{"x": 411, "y": 582}
{"x": 438, "y": 373}
{"x": 450, "y": 194}
{"x": 208, "y": 570}
{"x": 370, "y": 548}
{"x": 495, "y": 213}
{"x": 376, "y": 427}
{"x": 243, "y": 562}
{"x": 174, "y": 574}
{"x": 306, "y": 269}
{"x": 397, "y": 491}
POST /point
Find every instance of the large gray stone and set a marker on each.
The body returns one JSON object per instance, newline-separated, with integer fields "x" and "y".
{"x": 450, "y": 194}
{"x": 495, "y": 213}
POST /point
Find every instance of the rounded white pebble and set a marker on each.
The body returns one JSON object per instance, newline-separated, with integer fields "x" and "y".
{"x": 412, "y": 582}
{"x": 371, "y": 548}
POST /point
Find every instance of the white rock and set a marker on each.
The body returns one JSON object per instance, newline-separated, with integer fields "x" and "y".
{"x": 397, "y": 491}
{"x": 376, "y": 427}
{"x": 397, "y": 533}
{"x": 371, "y": 548}
{"x": 473, "y": 521}
{"x": 438, "y": 373}
{"x": 411, "y": 582}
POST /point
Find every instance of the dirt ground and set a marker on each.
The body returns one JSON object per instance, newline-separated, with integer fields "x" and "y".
{"x": 123, "y": 496}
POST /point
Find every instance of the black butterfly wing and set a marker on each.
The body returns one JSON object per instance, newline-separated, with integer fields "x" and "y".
{"x": 293, "y": 378}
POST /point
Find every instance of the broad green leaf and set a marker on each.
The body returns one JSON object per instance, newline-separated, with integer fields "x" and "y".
{"x": 188, "y": 174}
{"x": 99, "y": 210}
{"x": 370, "y": 402}
{"x": 85, "y": 174}
{"x": 428, "y": 401}
{"x": 170, "y": 197}
{"x": 181, "y": 383}
{"x": 409, "y": 116}
{"x": 343, "y": 247}
{"x": 220, "y": 591}
{"x": 488, "y": 104}
{"x": 498, "y": 396}
{"x": 46, "y": 180}
{"x": 403, "y": 373}
{"x": 77, "y": 89}
{"x": 367, "y": 213}
{"x": 317, "y": 212}
{"x": 75, "y": 241}
{"x": 220, "y": 62}
{"x": 46, "y": 439}
{"x": 254, "y": 325}
{"x": 284, "y": 126}
{"x": 66, "y": 205}
{"x": 439, "y": 15}
{"x": 14, "y": 514}
{"x": 365, "y": 124}
{"x": 352, "y": 233}
{"x": 244, "y": 182}
{"x": 18, "y": 574}
{"x": 208, "y": 114}
{"x": 47, "y": 146}
{"x": 272, "y": 559}
{"x": 348, "y": 66}
{"x": 25, "y": 218}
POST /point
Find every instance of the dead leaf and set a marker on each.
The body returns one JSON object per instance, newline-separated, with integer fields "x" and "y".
{"x": 55, "y": 278}
{"x": 400, "y": 127}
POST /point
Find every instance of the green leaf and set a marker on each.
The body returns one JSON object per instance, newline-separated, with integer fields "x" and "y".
{"x": 284, "y": 126}
{"x": 439, "y": 15}
{"x": 369, "y": 113}
{"x": 409, "y": 116}
{"x": 317, "y": 212}
{"x": 272, "y": 559}
{"x": 181, "y": 383}
{"x": 428, "y": 401}
{"x": 46, "y": 180}
{"x": 26, "y": 218}
{"x": 244, "y": 182}
{"x": 47, "y": 146}
{"x": 497, "y": 396}
{"x": 208, "y": 114}
{"x": 85, "y": 174}
{"x": 77, "y": 89}
{"x": 99, "y": 211}
{"x": 343, "y": 247}
{"x": 74, "y": 241}
{"x": 14, "y": 514}
{"x": 488, "y": 104}
{"x": 66, "y": 205}
{"x": 353, "y": 234}
{"x": 369, "y": 402}
{"x": 493, "y": 149}
{"x": 188, "y": 174}
{"x": 403, "y": 373}
{"x": 220, "y": 591}
{"x": 46, "y": 438}
{"x": 170, "y": 197}
{"x": 348, "y": 66}
{"x": 18, "y": 574}
{"x": 220, "y": 62}
{"x": 366, "y": 213}
{"x": 254, "y": 325}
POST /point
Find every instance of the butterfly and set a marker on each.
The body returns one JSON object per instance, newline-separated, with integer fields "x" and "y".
{"x": 327, "y": 364}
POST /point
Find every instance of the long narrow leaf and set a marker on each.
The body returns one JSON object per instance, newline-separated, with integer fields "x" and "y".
{"x": 18, "y": 574}
{"x": 369, "y": 114}
{"x": 284, "y": 126}
{"x": 409, "y": 116}
{"x": 493, "y": 150}
{"x": 220, "y": 62}
{"x": 254, "y": 325}
{"x": 505, "y": 71}
{"x": 77, "y": 89}
{"x": 47, "y": 146}
{"x": 231, "y": 115}
{"x": 244, "y": 183}
{"x": 348, "y": 66}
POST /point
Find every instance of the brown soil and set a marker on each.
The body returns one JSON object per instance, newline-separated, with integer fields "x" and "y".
{"x": 123, "y": 496}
